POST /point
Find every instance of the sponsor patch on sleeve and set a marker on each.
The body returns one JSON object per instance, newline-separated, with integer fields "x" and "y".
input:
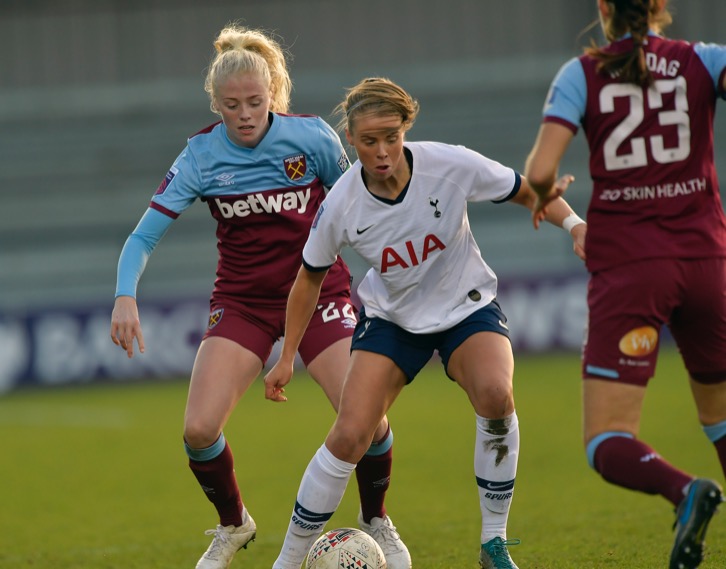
{"x": 321, "y": 209}
{"x": 343, "y": 162}
{"x": 166, "y": 181}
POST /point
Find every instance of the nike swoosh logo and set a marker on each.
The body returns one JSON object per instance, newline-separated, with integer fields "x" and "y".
{"x": 503, "y": 325}
{"x": 360, "y": 231}
{"x": 498, "y": 486}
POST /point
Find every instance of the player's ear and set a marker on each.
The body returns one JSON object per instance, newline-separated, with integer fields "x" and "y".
{"x": 349, "y": 137}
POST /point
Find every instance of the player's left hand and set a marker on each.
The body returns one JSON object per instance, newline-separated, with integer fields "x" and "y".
{"x": 539, "y": 211}
{"x": 578, "y": 240}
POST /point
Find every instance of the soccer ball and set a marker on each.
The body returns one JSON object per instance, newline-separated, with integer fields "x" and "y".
{"x": 345, "y": 548}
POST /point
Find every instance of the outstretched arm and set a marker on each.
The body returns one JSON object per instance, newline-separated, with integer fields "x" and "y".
{"x": 543, "y": 163}
{"x": 125, "y": 324}
{"x": 300, "y": 307}
{"x": 540, "y": 172}
{"x": 555, "y": 210}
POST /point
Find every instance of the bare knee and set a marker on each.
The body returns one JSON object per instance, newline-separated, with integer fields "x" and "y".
{"x": 710, "y": 401}
{"x": 381, "y": 430}
{"x": 348, "y": 443}
{"x": 711, "y": 416}
{"x": 493, "y": 400}
{"x": 200, "y": 434}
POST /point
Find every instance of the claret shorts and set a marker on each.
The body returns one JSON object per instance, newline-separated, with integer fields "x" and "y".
{"x": 630, "y": 305}
{"x": 257, "y": 328}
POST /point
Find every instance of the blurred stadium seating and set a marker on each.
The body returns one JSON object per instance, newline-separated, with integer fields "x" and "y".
{"x": 98, "y": 96}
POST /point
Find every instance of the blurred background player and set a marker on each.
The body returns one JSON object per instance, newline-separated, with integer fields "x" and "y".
{"x": 403, "y": 208}
{"x": 263, "y": 175}
{"x": 656, "y": 243}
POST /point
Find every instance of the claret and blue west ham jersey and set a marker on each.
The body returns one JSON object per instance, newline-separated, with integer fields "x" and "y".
{"x": 423, "y": 257}
{"x": 264, "y": 200}
{"x": 651, "y": 152}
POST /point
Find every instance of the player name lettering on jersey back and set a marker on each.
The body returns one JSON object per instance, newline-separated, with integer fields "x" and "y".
{"x": 670, "y": 190}
{"x": 406, "y": 256}
{"x": 261, "y": 203}
{"x": 662, "y": 66}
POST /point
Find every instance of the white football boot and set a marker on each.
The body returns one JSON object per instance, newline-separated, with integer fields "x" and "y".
{"x": 227, "y": 541}
{"x": 385, "y": 534}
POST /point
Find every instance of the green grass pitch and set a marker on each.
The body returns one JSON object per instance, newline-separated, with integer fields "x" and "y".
{"x": 96, "y": 477}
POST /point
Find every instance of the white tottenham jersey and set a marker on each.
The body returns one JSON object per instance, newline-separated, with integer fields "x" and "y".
{"x": 423, "y": 255}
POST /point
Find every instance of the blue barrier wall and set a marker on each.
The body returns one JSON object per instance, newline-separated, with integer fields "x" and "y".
{"x": 72, "y": 345}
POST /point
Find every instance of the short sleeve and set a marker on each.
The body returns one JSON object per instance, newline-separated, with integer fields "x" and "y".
{"x": 567, "y": 96}
{"x": 180, "y": 187}
{"x": 713, "y": 57}
{"x": 324, "y": 241}
{"x": 332, "y": 158}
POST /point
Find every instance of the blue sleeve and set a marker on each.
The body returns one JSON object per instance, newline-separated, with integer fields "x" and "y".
{"x": 331, "y": 157}
{"x": 181, "y": 185}
{"x": 567, "y": 96}
{"x": 713, "y": 57}
{"x": 137, "y": 249}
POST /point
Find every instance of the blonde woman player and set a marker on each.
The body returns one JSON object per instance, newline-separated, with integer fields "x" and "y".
{"x": 263, "y": 174}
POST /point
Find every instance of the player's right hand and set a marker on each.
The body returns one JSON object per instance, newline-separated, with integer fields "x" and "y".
{"x": 125, "y": 325}
{"x": 276, "y": 380}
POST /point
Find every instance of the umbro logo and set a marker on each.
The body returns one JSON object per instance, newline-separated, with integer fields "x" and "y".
{"x": 225, "y": 179}
{"x": 361, "y": 231}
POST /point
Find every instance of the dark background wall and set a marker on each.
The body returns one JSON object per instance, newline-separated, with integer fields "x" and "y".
{"x": 97, "y": 98}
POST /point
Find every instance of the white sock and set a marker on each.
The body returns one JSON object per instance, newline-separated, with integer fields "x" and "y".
{"x": 495, "y": 466}
{"x": 321, "y": 490}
